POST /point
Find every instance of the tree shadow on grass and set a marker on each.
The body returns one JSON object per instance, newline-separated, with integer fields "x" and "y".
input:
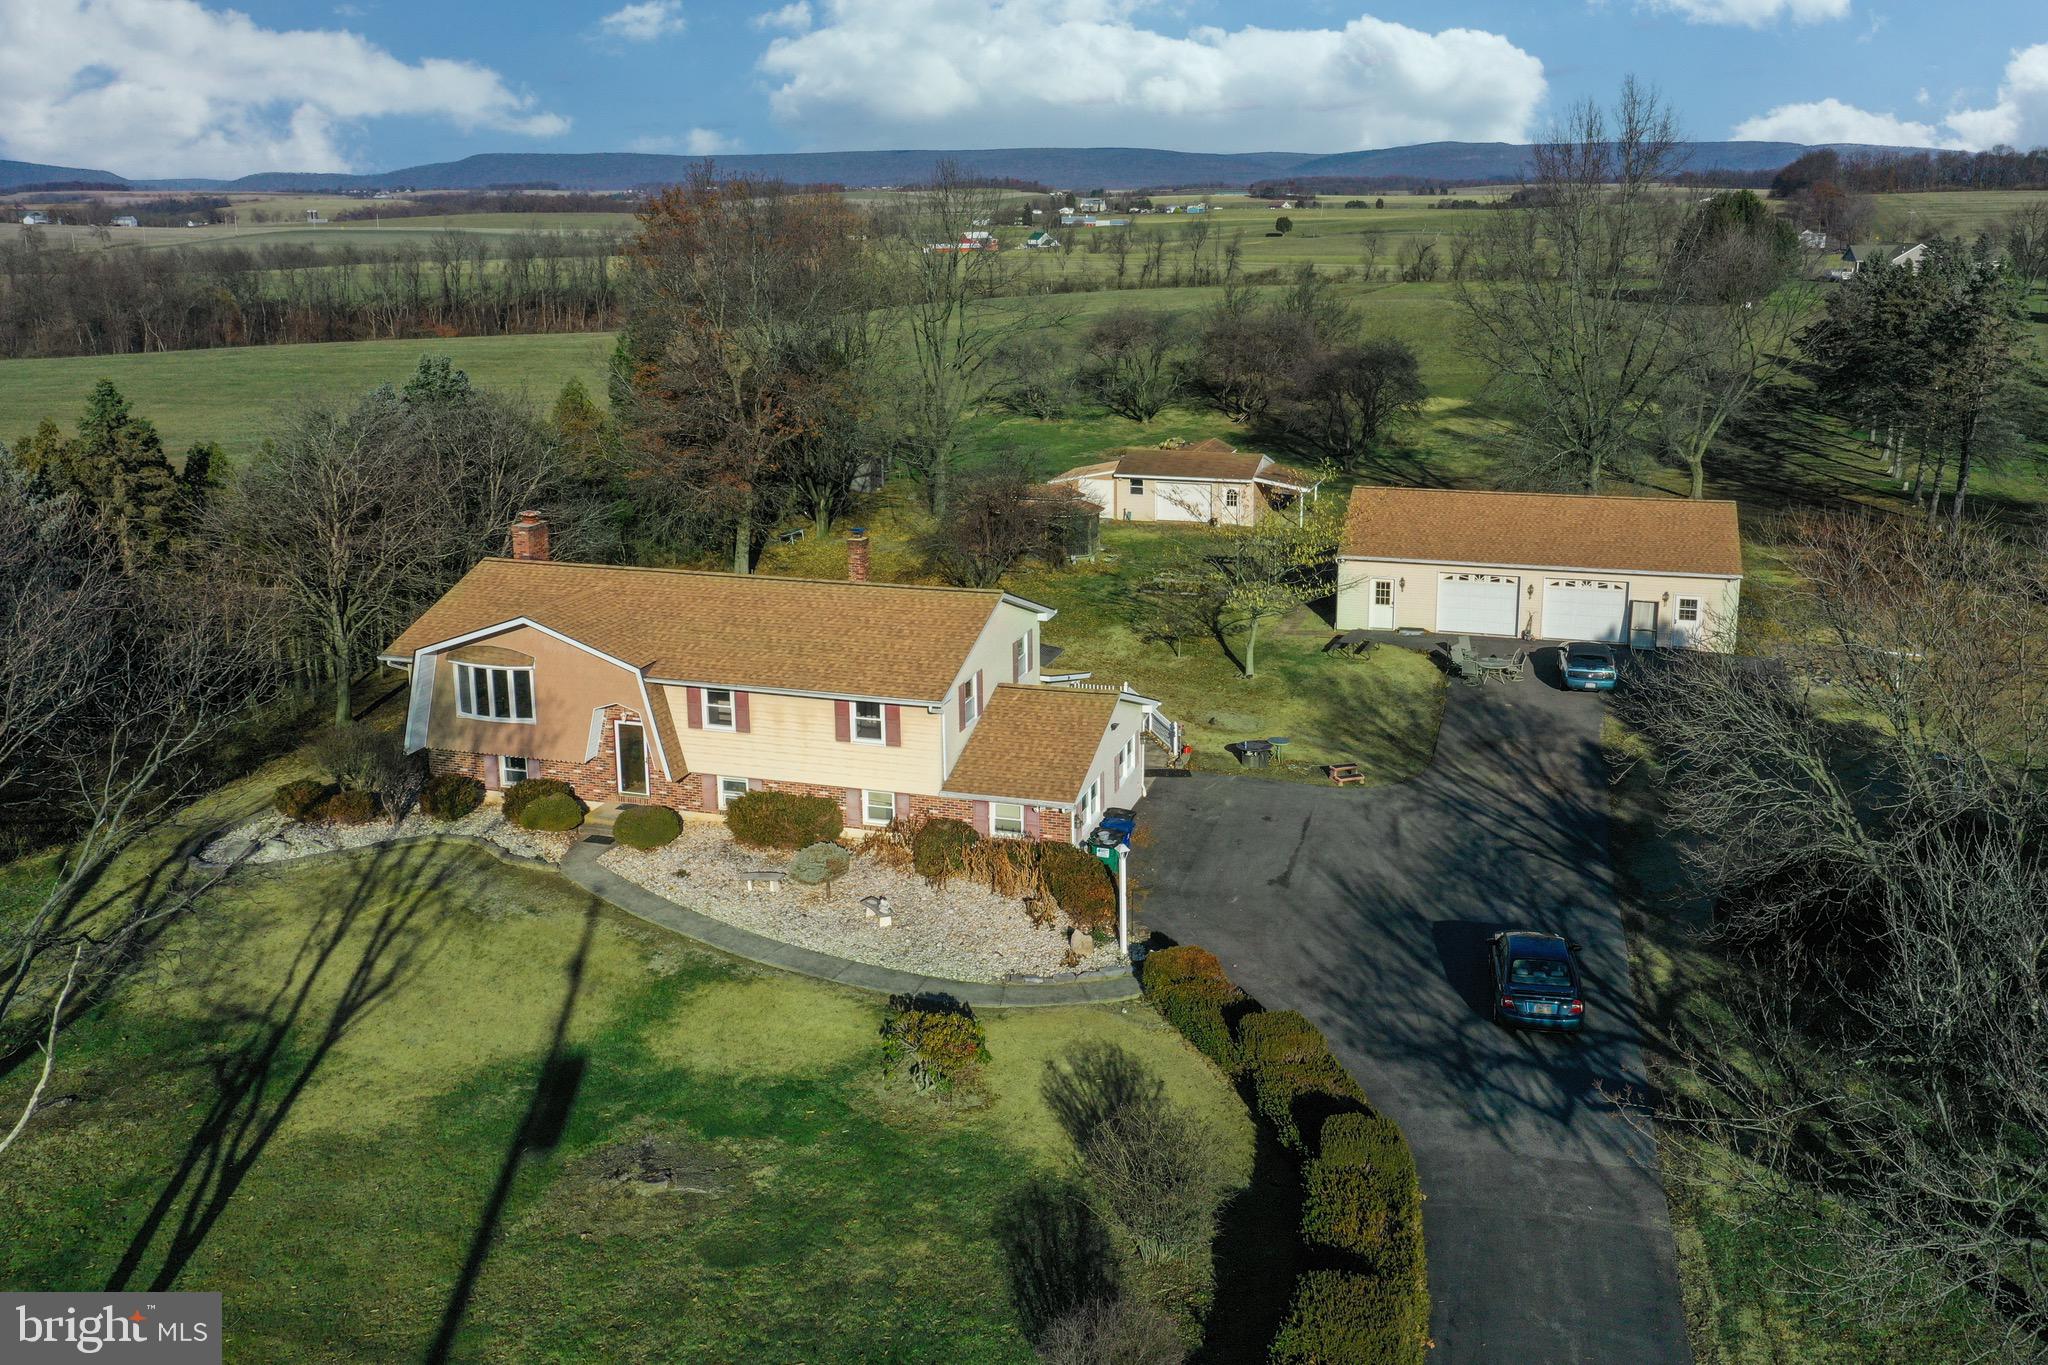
{"x": 372, "y": 940}
{"x": 1056, "y": 1253}
{"x": 556, "y": 1083}
{"x": 1254, "y": 1251}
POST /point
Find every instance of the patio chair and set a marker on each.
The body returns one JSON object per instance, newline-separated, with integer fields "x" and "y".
{"x": 1521, "y": 665}
{"x": 1462, "y": 666}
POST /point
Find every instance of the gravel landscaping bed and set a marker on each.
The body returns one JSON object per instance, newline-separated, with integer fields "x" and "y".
{"x": 274, "y": 839}
{"x": 961, "y": 930}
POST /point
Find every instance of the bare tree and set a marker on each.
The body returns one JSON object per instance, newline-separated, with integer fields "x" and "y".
{"x": 132, "y": 686}
{"x": 1568, "y": 323}
{"x": 999, "y": 515}
{"x": 955, "y": 323}
{"x": 1881, "y": 892}
{"x": 1133, "y": 361}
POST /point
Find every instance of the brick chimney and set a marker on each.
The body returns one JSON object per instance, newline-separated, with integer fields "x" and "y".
{"x": 857, "y": 555}
{"x": 529, "y": 537}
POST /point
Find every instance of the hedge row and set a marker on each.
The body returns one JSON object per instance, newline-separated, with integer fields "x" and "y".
{"x": 1363, "y": 1296}
{"x": 1081, "y": 885}
{"x": 783, "y": 820}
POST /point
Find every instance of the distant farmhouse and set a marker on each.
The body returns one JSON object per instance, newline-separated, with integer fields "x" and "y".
{"x": 1041, "y": 240}
{"x": 126, "y": 220}
{"x": 35, "y": 220}
{"x": 1209, "y": 481}
{"x": 1090, "y": 205}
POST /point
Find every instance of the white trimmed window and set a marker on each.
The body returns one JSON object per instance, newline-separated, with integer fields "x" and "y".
{"x": 483, "y": 693}
{"x": 730, "y": 789}
{"x": 877, "y": 808}
{"x": 970, "y": 705}
{"x": 1091, "y": 802}
{"x": 1689, "y": 610}
{"x": 1006, "y": 817}
{"x": 1137, "y": 485}
{"x": 718, "y": 709}
{"x": 511, "y": 769}
{"x": 867, "y": 723}
{"x": 1230, "y": 497}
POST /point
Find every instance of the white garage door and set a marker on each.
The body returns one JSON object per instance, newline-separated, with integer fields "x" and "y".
{"x": 1477, "y": 604}
{"x": 1584, "y": 609}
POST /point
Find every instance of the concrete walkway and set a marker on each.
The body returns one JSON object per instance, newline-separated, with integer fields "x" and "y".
{"x": 582, "y": 868}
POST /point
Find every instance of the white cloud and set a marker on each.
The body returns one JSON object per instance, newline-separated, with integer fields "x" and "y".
{"x": 643, "y": 22}
{"x": 1082, "y": 71}
{"x": 1922, "y": 98}
{"x": 794, "y": 17}
{"x": 1830, "y": 120}
{"x": 2019, "y": 118}
{"x": 1754, "y": 13}
{"x": 172, "y": 88}
{"x": 695, "y": 142}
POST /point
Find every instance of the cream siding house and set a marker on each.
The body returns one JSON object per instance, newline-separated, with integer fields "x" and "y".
{"x": 1646, "y": 572}
{"x": 687, "y": 689}
{"x": 1209, "y": 483}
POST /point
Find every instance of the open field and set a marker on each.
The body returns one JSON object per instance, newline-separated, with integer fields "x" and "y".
{"x": 367, "y": 1096}
{"x": 232, "y": 395}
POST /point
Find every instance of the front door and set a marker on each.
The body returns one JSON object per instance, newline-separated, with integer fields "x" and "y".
{"x": 1642, "y": 625}
{"x": 1381, "y": 615}
{"x": 632, "y": 738}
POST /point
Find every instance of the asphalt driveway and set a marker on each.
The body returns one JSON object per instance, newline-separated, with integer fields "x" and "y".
{"x": 1548, "y": 1234}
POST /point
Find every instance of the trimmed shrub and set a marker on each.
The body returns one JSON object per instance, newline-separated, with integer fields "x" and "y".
{"x": 301, "y": 800}
{"x": 783, "y": 820}
{"x": 1341, "y": 1318}
{"x": 520, "y": 795}
{"x": 645, "y": 827}
{"x": 554, "y": 813}
{"x": 450, "y": 796}
{"x": 940, "y": 1047}
{"x": 939, "y": 847}
{"x": 349, "y": 808}
{"x": 1082, "y": 885}
{"x": 1297, "y": 1083}
{"x": 1361, "y": 1197}
{"x": 1187, "y": 986}
{"x": 819, "y": 864}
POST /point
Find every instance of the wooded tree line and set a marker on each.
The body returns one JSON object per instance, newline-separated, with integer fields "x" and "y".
{"x": 57, "y": 300}
{"x": 1623, "y": 327}
{"x": 2001, "y": 168}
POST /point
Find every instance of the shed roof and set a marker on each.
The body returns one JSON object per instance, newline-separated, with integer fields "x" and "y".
{"x": 1034, "y": 743}
{"x": 739, "y": 630}
{"x": 1544, "y": 530}
{"x": 1210, "y": 459}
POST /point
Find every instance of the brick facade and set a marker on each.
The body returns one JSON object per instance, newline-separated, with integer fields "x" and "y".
{"x": 596, "y": 782}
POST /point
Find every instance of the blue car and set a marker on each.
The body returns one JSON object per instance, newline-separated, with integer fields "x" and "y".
{"x": 1588, "y": 667}
{"x": 1536, "y": 981}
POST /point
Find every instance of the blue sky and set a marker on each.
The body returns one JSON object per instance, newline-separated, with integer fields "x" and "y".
{"x": 190, "y": 87}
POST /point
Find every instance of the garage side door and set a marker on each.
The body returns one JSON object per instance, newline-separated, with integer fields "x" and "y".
{"x": 1477, "y": 604}
{"x": 1584, "y": 609}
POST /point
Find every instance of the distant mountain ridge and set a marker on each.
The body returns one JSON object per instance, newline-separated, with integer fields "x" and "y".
{"x": 1063, "y": 167}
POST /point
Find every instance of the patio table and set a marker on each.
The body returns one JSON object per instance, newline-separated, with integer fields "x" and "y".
{"x": 1497, "y": 665}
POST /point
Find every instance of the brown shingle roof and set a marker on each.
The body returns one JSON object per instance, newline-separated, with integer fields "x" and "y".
{"x": 1083, "y": 471}
{"x": 1034, "y": 743}
{"x": 1210, "y": 459}
{"x": 1544, "y": 530}
{"x": 736, "y": 630}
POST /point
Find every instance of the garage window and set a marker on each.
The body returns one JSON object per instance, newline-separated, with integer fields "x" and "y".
{"x": 1383, "y": 592}
{"x": 1137, "y": 485}
{"x": 1689, "y": 610}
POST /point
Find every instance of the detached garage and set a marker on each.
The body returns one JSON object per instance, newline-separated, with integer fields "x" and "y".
{"x": 1645, "y": 572}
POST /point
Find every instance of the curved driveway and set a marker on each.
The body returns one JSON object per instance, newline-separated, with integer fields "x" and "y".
{"x": 1369, "y": 911}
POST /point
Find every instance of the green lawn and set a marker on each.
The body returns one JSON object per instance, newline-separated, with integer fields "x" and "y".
{"x": 233, "y": 395}
{"x": 345, "y": 1080}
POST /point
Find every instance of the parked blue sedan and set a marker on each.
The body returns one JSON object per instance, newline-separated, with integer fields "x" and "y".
{"x": 1588, "y": 667}
{"x": 1536, "y": 981}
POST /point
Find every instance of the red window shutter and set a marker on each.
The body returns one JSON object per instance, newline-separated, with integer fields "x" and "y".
{"x": 980, "y": 694}
{"x": 902, "y": 805}
{"x": 853, "y": 808}
{"x": 981, "y": 818}
{"x": 493, "y": 779}
{"x": 740, "y": 719}
{"x": 964, "y": 689}
{"x": 1034, "y": 822}
{"x": 892, "y": 725}
{"x": 707, "y": 792}
{"x": 693, "y": 703}
{"x": 1017, "y": 662}
{"x": 842, "y": 721}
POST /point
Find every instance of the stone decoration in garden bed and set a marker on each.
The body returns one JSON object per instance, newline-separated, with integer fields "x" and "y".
{"x": 962, "y": 930}
{"x": 274, "y": 839}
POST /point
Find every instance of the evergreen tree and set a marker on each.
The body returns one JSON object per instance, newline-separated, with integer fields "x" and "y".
{"x": 436, "y": 380}
{"x": 117, "y": 466}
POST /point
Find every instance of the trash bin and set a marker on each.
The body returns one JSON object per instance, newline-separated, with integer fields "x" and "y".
{"x": 1104, "y": 837}
{"x": 1253, "y": 753}
{"x": 1122, "y": 819}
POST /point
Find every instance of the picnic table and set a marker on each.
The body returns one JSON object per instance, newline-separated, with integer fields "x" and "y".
{"x": 1506, "y": 667}
{"x": 1350, "y": 642}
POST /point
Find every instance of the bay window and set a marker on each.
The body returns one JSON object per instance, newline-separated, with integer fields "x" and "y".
{"x": 490, "y": 693}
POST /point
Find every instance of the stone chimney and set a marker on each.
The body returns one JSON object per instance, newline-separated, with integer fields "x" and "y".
{"x": 529, "y": 537}
{"x": 857, "y": 555}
